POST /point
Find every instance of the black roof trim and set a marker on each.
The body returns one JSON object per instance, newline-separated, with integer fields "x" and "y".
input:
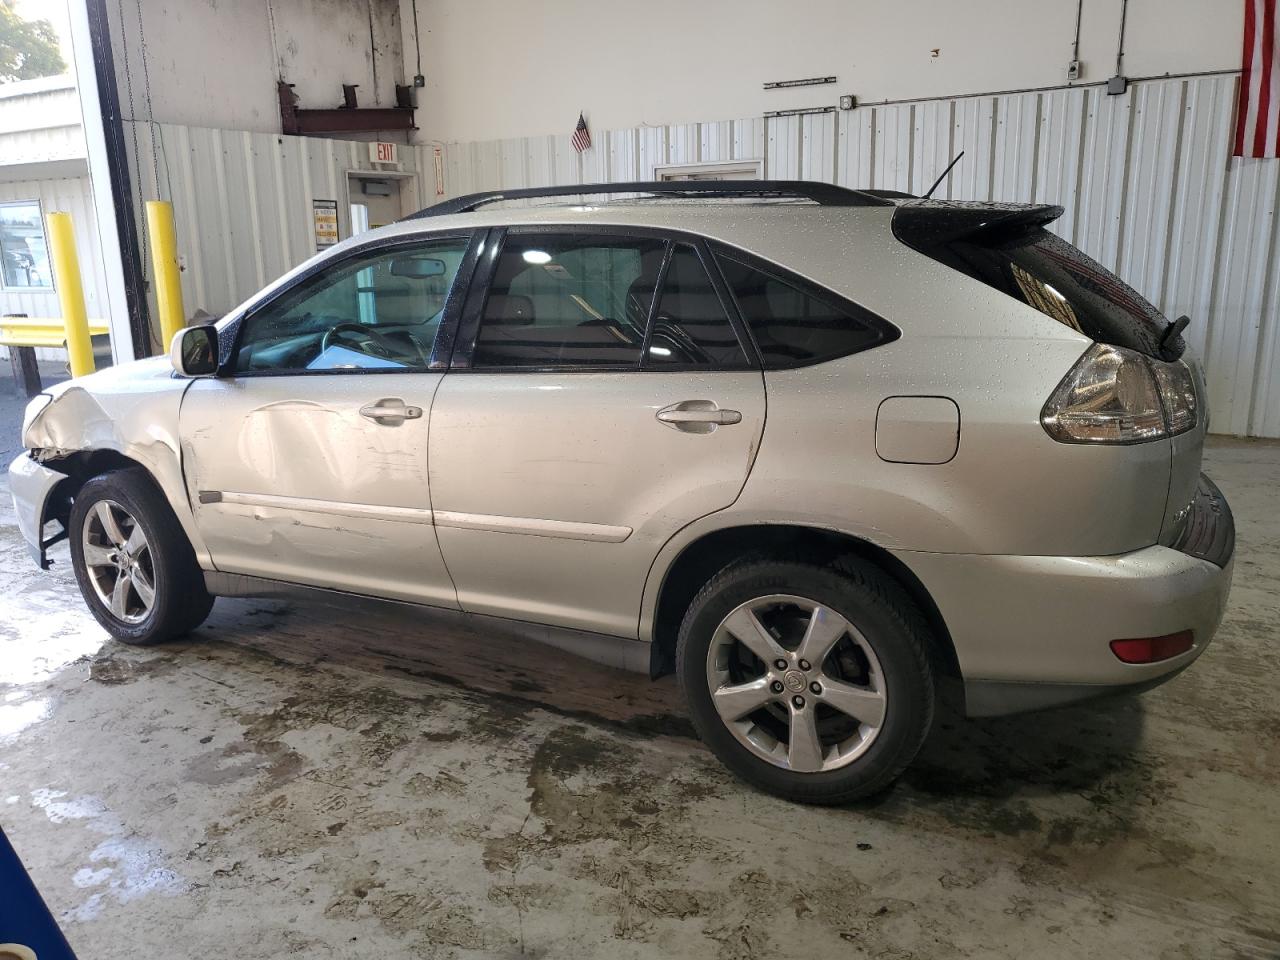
{"x": 825, "y": 194}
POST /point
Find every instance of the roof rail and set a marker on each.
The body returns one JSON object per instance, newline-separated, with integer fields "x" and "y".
{"x": 825, "y": 194}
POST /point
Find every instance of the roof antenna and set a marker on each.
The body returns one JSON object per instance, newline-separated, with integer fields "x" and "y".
{"x": 937, "y": 183}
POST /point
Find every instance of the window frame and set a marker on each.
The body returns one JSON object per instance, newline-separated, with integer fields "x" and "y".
{"x": 44, "y": 232}
{"x": 441, "y": 348}
{"x": 481, "y": 285}
{"x": 888, "y": 331}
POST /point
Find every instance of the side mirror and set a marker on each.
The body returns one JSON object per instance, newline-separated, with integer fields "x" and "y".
{"x": 194, "y": 351}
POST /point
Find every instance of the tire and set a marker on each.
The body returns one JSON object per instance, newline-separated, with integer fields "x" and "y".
{"x": 161, "y": 564}
{"x": 877, "y": 667}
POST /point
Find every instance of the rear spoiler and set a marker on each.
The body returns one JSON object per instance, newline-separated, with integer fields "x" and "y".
{"x": 926, "y": 223}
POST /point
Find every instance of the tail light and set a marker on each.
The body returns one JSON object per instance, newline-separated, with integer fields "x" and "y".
{"x": 1114, "y": 395}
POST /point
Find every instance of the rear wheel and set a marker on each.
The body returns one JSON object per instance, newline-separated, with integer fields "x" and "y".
{"x": 136, "y": 570}
{"x": 811, "y": 683}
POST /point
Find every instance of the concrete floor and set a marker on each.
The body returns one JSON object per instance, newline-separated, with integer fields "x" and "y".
{"x": 361, "y": 780}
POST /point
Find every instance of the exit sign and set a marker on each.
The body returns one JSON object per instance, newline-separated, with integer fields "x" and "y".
{"x": 380, "y": 152}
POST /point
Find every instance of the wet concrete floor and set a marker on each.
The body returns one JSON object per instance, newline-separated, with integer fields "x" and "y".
{"x": 353, "y": 779}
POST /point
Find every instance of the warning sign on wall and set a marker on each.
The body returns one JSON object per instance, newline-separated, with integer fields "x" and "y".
{"x": 325, "y": 215}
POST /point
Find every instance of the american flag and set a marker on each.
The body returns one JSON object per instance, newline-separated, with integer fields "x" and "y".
{"x": 581, "y": 135}
{"x": 1258, "y": 114}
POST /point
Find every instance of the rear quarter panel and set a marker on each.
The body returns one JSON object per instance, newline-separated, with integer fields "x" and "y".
{"x": 1009, "y": 489}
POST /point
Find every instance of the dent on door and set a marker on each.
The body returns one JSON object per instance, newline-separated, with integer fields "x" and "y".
{"x": 317, "y": 489}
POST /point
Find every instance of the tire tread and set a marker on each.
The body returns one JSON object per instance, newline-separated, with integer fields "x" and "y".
{"x": 187, "y": 603}
{"x": 893, "y": 600}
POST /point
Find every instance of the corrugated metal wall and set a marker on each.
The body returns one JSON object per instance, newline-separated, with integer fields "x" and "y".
{"x": 1146, "y": 178}
{"x": 243, "y": 201}
{"x": 40, "y": 121}
{"x": 40, "y": 136}
{"x": 73, "y": 196}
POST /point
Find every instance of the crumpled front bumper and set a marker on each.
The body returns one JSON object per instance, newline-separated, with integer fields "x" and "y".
{"x": 31, "y": 484}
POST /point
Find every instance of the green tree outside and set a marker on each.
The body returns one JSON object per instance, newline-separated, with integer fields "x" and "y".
{"x": 28, "y": 48}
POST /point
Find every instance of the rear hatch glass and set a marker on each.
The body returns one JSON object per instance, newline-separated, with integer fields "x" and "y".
{"x": 1008, "y": 248}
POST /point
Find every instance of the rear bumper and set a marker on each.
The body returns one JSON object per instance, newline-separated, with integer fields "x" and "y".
{"x": 31, "y": 483}
{"x": 1034, "y": 632}
{"x": 1205, "y": 527}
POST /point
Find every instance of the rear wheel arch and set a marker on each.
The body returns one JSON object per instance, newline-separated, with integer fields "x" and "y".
{"x": 704, "y": 557}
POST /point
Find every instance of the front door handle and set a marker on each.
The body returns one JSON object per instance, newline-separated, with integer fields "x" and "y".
{"x": 697, "y": 416}
{"x": 390, "y": 412}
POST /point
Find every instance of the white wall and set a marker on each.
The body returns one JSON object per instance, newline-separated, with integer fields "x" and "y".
{"x": 39, "y": 124}
{"x": 71, "y": 195}
{"x": 243, "y": 201}
{"x": 498, "y": 68}
{"x": 1146, "y": 178}
{"x": 215, "y": 63}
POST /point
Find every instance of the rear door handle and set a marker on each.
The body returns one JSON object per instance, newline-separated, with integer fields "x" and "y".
{"x": 697, "y": 416}
{"x": 390, "y": 412}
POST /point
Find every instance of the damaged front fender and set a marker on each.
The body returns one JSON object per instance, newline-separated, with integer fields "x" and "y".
{"x": 126, "y": 413}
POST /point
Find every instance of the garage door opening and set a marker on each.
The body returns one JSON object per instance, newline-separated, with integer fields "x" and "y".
{"x": 719, "y": 170}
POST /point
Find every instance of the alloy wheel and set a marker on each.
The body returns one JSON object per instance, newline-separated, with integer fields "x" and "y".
{"x": 796, "y": 683}
{"x": 118, "y": 560}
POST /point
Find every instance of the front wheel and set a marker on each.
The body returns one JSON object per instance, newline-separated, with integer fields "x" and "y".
{"x": 136, "y": 569}
{"x": 809, "y": 682}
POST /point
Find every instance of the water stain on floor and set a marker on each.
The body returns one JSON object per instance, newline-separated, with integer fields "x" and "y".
{"x": 357, "y": 781}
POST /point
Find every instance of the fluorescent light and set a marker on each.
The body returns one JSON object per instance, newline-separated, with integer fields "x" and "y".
{"x": 660, "y": 351}
{"x": 537, "y": 257}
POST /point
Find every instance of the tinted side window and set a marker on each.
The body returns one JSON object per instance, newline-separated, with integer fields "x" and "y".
{"x": 793, "y": 325}
{"x": 690, "y": 326}
{"x": 568, "y": 300}
{"x": 375, "y": 311}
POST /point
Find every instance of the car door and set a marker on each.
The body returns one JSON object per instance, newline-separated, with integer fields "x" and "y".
{"x": 306, "y": 458}
{"x": 600, "y": 399}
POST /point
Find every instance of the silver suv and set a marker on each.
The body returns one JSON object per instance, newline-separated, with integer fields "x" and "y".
{"x": 817, "y": 451}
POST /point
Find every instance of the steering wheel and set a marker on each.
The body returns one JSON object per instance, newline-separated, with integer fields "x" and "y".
{"x": 383, "y": 346}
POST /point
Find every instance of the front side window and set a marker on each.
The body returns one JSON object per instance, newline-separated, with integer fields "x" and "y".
{"x": 568, "y": 300}
{"x": 794, "y": 323}
{"x": 24, "y": 252}
{"x": 379, "y": 310}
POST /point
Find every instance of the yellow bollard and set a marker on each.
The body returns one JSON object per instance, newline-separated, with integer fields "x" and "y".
{"x": 164, "y": 264}
{"x": 66, "y": 272}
